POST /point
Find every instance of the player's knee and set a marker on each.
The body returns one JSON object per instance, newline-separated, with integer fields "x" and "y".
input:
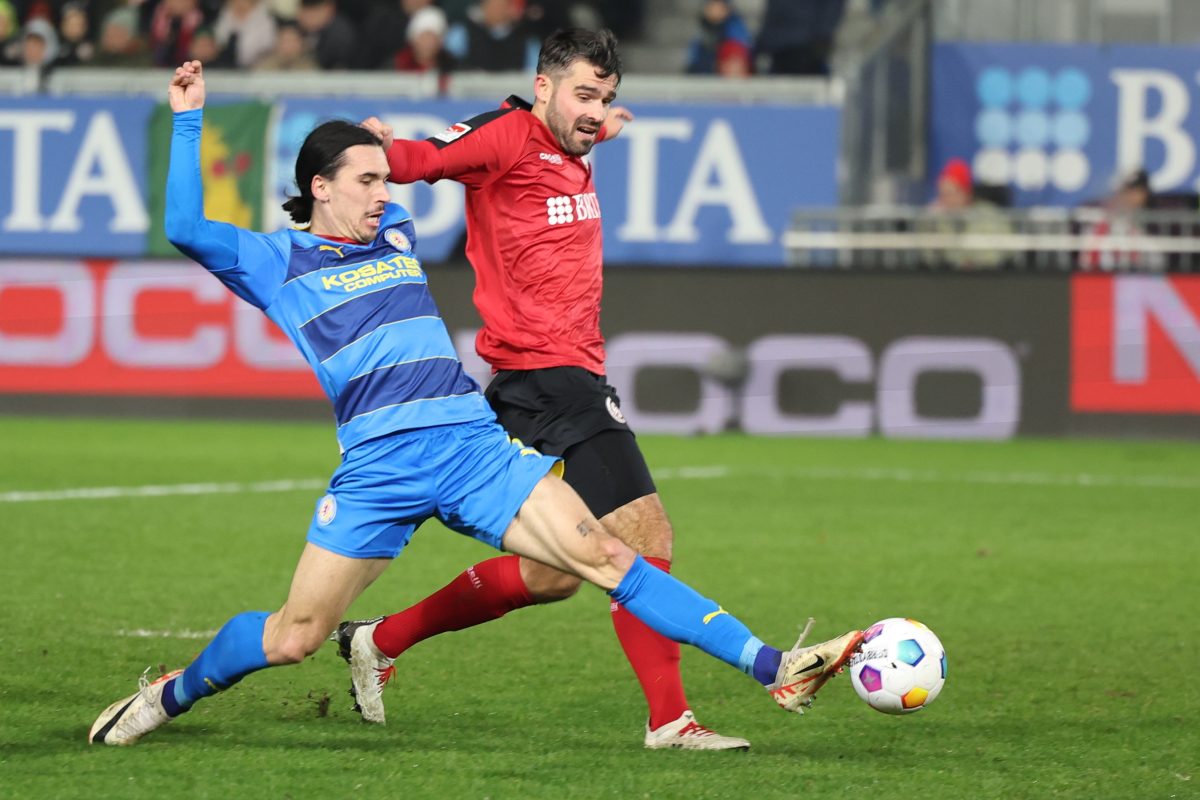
{"x": 615, "y": 556}
{"x": 295, "y": 645}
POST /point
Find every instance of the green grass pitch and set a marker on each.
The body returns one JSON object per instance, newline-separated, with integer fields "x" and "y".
{"x": 1061, "y": 576}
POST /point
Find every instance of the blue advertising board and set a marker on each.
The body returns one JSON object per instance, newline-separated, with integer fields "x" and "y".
{"x": 73, "y": 176}
{"x": 683, "y": 184}
{"x": 1059, "y": 123}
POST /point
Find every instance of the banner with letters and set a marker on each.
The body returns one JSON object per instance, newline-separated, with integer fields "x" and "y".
{"x": 1057, "y": 123}
{"x": 73, "y": 176}
{"x": 958, "y": 356}
{"x": 683, "y": 184}
{"x": 1135, "y": 344}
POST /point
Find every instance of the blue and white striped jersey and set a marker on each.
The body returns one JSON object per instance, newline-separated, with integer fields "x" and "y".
{"x": 361, "y": 314}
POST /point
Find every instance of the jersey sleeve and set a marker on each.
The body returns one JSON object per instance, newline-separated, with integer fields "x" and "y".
{"x": 474, "y": 152}
{"x": 250, "y": 264}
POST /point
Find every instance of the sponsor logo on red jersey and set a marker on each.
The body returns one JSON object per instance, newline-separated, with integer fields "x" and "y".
{"x": 571, "y": 208}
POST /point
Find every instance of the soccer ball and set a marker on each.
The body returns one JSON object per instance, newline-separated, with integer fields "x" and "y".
{"x": 901, "y": 667}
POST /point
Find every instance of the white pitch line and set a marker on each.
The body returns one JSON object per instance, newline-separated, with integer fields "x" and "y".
{"x": 710, "y": 472}
{"x": 691, "y": 473}
{"x": 167, "y": 490}
{"x": 143, "y": 633}
{"x": 1079, "y": 479}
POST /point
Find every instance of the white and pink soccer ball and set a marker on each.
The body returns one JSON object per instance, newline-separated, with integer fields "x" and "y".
{"x": 901, "y": 667}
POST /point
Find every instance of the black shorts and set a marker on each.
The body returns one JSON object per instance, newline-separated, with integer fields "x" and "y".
{"x": 573, "y": 413}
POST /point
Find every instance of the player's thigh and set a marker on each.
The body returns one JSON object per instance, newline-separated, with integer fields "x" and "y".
{"x": 610, "y": 474}
{"x": 643, "y": 525}
{"x": 554, "y": 527}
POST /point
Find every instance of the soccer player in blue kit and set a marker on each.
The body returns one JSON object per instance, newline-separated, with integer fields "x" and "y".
{"x": 418, "y": 438}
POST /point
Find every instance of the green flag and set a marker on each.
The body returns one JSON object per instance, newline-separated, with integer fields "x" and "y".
{"x": 232, "y": 161}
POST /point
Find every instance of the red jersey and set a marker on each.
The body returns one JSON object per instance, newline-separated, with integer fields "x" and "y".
{"x": 533, "y": 236}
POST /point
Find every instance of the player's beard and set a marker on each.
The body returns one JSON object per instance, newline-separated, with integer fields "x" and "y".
{"x": 567, "y": 133}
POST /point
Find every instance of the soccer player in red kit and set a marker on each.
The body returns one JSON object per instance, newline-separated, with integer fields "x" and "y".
{"x": 534, "y": 241}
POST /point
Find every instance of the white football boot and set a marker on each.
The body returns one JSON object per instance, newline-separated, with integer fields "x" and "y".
{"x": 687, "y": 734}
{"x": 804, "y": 670}
{"x": 370, "y": 670}
{"x": 129, "y": 719}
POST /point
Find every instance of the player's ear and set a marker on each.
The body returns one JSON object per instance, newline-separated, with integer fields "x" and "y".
{"x": 543, "y": 88}
{"x": 320, "y": 189}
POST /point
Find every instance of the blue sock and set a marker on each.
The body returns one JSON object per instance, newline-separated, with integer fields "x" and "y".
{"x": 675, "y": 610}
{"x": 234, "y": 653}
{"x": 766, "y": 665}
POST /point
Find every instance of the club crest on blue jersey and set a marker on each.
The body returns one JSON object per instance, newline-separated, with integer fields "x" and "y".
{"x": 326, "y": 509}
{"x": 396, "y": 238}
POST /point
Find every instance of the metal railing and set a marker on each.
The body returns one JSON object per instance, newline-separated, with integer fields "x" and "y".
{"x": 490, "y": 85}
{"x": 884, "y": 136}
{"x": 1040, "y": 239}
{"x": 1149, "y": 21}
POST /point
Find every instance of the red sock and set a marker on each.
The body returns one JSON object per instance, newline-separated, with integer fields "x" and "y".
{"x": 486, "y": 591}
{"x": 655, "y": 660}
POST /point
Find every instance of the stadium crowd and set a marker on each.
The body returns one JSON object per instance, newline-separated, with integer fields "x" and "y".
{"x": 404, "y": 35}
{"x": 440, "y": 36}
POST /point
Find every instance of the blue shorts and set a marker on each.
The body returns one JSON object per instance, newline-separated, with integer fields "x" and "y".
{"x": 470, "y": 476}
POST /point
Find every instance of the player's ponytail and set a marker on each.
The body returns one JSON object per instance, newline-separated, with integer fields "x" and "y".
{"x": 323, "y": 153}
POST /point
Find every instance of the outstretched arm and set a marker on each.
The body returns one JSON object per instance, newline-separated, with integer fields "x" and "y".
{"x": 617, "y": 117}
{"x": 213, "y": 244}
{"x": 472, "y": 152}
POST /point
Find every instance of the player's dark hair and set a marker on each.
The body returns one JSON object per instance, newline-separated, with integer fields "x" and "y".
{"x": 323, "y": 153}
{"x": 564, "y": 47}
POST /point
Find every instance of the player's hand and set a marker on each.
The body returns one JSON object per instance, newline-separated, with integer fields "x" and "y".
{"x": 376, "y": 126}
{"x": 186, "y": 92}
{"x": 617, "y": 117}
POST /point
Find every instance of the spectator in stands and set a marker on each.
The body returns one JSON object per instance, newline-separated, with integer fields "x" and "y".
{"x": 204, "y": 48}
{"x": 797, "y": 35}
{"x": 385, "y": 32}
{"x": 957, "y": 209}
{"x": 39, "y": 47}
{"x": 246, "y": 30}
{"x": 723, "y": 46}
{"x": 292, "y": 51}
{"x": 119, "y": 44}
{"x": 495, "y": 38}
{"x": 955, "y": 187}
{"x": 1131, "y": 197}
{"x": 333, "y": 39}
{"x": 172, "y": 27}
{"x": 425, "y": 51}
{"x": 75, "y": 44}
